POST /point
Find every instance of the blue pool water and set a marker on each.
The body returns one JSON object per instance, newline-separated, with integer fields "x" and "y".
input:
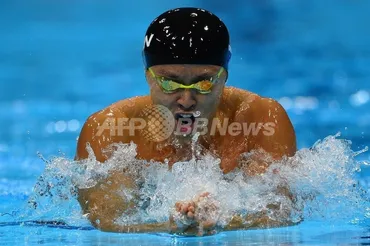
{"x": 60, "y": 61}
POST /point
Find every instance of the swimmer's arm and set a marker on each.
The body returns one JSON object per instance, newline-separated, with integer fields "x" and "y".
{"x": 278, "y": 137}
{"x": 274, "y": 141}
{"x": 95, "y": 133}
{"x": 262, "y": 219}
{"x": 103, "y": 203}
{"x": 103, "y": 206}
{"x": 255, "y": 221}
{"x": 279, "y": 142}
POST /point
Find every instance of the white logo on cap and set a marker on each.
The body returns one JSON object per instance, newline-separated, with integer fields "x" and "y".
{"x": 146, "y": 41}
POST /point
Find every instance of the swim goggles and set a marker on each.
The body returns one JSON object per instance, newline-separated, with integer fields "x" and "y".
{"x": 169, "y": 86}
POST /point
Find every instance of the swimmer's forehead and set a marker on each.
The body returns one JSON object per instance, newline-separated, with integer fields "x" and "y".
{"x": 172, "y": 71}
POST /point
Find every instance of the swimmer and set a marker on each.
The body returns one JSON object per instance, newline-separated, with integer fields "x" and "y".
{"x": 186, "y": 54}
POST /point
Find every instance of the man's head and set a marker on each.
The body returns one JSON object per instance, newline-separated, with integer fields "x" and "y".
{"x": 186, "y": 54}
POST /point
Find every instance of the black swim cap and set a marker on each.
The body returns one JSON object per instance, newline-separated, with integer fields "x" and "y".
{"x": 187, "y": 36}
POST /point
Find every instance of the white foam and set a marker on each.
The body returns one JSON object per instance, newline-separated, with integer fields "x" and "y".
{"x": 322, "y": 179}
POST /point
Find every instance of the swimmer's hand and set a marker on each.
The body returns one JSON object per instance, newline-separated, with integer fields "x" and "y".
{"x": 198, "y": 216}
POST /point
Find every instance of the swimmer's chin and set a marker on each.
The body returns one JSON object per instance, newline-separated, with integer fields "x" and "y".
{"x": 178, "y": 138}
{"x": 185, "y": 134}
{"x": 183, "y": 137}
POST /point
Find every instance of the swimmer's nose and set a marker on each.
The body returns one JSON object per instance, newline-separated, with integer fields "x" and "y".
{"x": 186, "y": 101}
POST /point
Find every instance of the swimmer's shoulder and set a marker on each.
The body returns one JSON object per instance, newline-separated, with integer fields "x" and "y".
{"x": 250, "y": 103}
{"x": 129, "y": 107}
{"x": 250, "y": 107}
{"x": 93, "y": 130}
{"x": 237, "y": 99}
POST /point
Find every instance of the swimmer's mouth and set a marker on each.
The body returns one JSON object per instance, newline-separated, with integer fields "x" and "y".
{"x": 185, "y": 118}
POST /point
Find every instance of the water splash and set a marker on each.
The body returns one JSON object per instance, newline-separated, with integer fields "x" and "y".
{"x": 322, "y": 180}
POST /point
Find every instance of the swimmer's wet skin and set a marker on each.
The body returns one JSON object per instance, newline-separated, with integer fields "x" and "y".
{"x": 186, "y": 55}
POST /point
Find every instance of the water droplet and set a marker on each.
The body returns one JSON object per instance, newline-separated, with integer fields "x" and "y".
{"x": 197, "y": 113}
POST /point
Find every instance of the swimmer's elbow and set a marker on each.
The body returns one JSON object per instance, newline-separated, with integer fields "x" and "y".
{"x": 107, "y": 224}
{"x": 100, "y": 218}
{"x": 103, "y": 224}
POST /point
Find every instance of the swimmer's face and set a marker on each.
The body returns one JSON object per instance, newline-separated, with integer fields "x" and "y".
{"x": 203, "y": 97}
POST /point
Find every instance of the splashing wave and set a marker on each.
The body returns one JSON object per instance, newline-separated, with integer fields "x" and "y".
{"x": 322, "y": 180}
